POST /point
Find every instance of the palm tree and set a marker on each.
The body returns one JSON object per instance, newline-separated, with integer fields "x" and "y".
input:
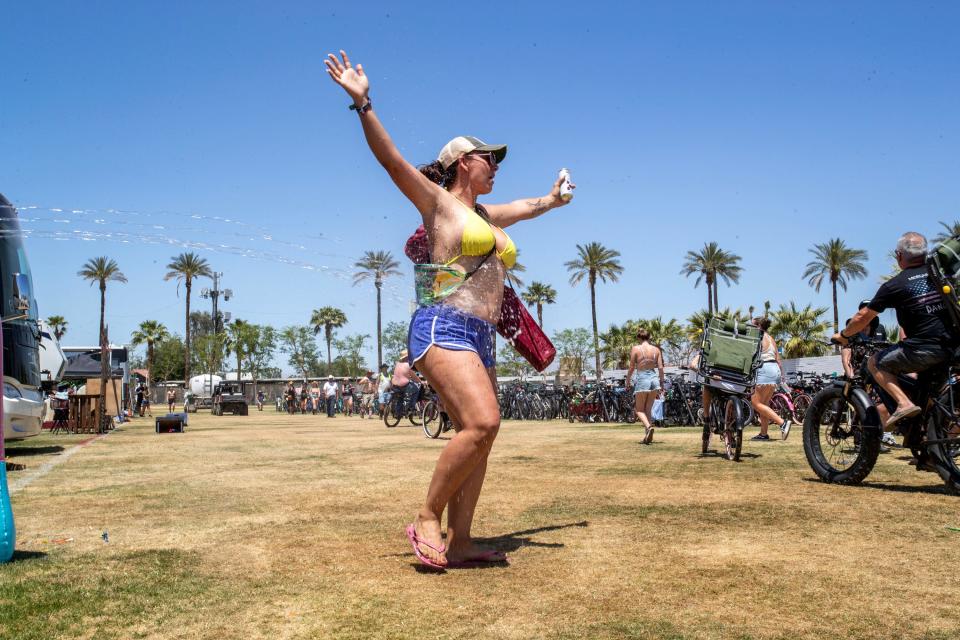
{"x": 101, "y": 271}
{"x": 661, "y": 332}
{"x": 949, "y": 230}
{"x": 58, "y": 324}
{"x": 617, "y": 342}
{"x": 512, "y": 271}
{"x": 710, "y": 264}
{"x": 327, "y": 319}
{"x": 149, "y": 333}
{"x": 594, "y": 261}
{"x": 835, "y": 261}
{"x": 376, "y": 265}
{"x": 185, "y": 267}
{"x": 242, "y": 338}
{"x": 539, "y": 294}
{"x": 800, "y": 332}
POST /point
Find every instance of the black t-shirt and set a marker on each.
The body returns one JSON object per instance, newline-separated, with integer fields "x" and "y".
{"x": 920, "y": 308}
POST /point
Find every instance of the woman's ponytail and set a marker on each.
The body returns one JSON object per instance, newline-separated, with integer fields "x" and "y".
{"x": 435, "y": 173}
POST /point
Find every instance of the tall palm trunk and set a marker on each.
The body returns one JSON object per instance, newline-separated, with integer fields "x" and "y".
{"x": 239, "y": 370}
{"x": 716, "y": 287}
{"x": 150, "y": 354}
{"x": 709, "y": 296}
{"x": 104, "y": 363}
{"x": 379, "y": 284}
{"x": 328, "y": 334}
{"x": 186, "y": 354}
{"x": 593, "y": 310}
{"x": 836, "y": 314}
{"x": 540, "y": 314}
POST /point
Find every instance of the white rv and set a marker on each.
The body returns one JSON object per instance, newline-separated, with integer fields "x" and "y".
{"x": 52, "y": 361}
{"x": 22, "y": 398}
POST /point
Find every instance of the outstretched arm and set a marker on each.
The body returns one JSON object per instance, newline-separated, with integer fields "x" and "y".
{"x": 418, "y": 189}
{"x": 504, "y": 215}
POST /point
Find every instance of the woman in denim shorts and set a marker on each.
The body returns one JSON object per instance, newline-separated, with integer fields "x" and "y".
{"x": 645, "y": 373}
{"x": 768, "y": 377}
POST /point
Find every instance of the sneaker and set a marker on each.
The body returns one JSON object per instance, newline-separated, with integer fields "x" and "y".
{"x": 760, "y": 436}
{"x": 889, "y": 440}
{"x": 785, "y": 429}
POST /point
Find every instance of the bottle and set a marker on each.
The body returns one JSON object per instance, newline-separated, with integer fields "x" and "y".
{"x": 565, "y": 191}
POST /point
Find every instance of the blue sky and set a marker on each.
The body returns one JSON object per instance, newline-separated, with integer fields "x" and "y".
{"x": 767, "y": 127}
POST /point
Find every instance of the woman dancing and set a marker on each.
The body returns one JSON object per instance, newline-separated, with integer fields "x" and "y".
{"x": 451, "y": 338}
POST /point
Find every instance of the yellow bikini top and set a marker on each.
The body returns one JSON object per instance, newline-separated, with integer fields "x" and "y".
{"x": 478, "y": 240}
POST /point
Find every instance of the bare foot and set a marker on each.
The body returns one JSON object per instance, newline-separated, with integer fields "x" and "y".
{"x": 427, "y": 528}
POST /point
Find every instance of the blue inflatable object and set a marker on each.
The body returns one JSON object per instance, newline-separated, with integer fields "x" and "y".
{"x": 8, "y": 532}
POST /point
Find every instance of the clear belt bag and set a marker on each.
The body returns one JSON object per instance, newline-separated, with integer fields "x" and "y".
{"x": 434, "y": 282}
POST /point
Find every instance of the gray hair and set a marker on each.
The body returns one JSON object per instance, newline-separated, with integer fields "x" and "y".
{"x": 912, "y": 246}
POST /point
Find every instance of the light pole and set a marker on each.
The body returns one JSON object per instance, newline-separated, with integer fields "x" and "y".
{"x": 214, "y": 295}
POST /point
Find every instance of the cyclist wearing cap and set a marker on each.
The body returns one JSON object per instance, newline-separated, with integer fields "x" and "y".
{"x": 922, "y": 317}
{"x": 451, "y": 337}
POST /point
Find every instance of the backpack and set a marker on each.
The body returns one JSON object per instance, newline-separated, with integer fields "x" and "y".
{"x": 943, "y": 266}
{"x": 731, "y": 347}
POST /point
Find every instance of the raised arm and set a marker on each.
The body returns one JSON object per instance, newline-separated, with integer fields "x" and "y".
{"x": 418, "y": 189}
{"x": 504, "y": 215}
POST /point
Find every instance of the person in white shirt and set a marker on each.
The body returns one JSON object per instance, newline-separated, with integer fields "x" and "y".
{"x": 383, "y": 387}
{"x": 330, "y": 391}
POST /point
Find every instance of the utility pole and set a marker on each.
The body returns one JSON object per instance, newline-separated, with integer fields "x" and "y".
{"x": 214, "y": 295}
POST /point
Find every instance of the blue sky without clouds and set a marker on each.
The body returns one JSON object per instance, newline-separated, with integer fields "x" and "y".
{"x": 767, "y": 127}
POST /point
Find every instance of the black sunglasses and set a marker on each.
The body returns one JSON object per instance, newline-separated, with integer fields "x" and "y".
{"x": 489, "y": 156}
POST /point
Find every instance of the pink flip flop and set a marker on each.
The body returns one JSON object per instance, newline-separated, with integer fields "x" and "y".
{"x": 416, "y": 541}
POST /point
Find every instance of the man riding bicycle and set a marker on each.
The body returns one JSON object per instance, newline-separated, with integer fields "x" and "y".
{"x": 921, "y": 314}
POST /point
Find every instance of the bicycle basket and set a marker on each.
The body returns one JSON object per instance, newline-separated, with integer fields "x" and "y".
{"x": 732, "y": 346}
{"x": 943, "y": 265}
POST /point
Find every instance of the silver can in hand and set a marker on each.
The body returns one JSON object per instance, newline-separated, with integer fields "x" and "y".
{"x": 566, "y": 192}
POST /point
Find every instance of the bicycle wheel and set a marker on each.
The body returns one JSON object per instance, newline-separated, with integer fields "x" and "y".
{"x": 838, "y": 448}
{"x": 801, "y": 403}
{"x": 733, "y": 421}
{"x": 943, "y": 438}
{"x": 779, "y": 404}
{"x": 416, "y": 412}
{"x": 391, "y": 414}
{"x": 430, "y": 417}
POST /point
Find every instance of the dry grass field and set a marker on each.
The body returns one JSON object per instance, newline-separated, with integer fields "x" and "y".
{"x": 275, "y": 526}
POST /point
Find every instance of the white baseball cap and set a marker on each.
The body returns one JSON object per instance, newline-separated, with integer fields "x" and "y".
{"x": 462, "y": 145}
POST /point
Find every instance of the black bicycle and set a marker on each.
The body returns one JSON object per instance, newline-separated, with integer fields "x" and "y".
{"x": 842, "y": 430}
{"x": 434, "y": 419}
{"x": 727, "y": 417}
{"x": 400, "y": 407}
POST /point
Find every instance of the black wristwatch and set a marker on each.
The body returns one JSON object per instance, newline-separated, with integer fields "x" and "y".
{"x": 362, "y": 110}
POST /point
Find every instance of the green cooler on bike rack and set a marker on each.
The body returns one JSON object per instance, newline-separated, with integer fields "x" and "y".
{"x": 730, "y": 355}
{"x": 944, "y": 267}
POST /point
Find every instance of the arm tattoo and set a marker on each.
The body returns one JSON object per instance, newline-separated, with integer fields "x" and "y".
{"x": 538, "y": 206}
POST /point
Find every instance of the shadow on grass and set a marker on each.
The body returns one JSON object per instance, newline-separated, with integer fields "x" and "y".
{"x": 517, "y": 539}
{"x": 34, "y": 451}
{"x": 507, "y": 542}
{"x": 20, "y": 556}
{"x": 713, "y": 453}
{"x": 932, "y": 489}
